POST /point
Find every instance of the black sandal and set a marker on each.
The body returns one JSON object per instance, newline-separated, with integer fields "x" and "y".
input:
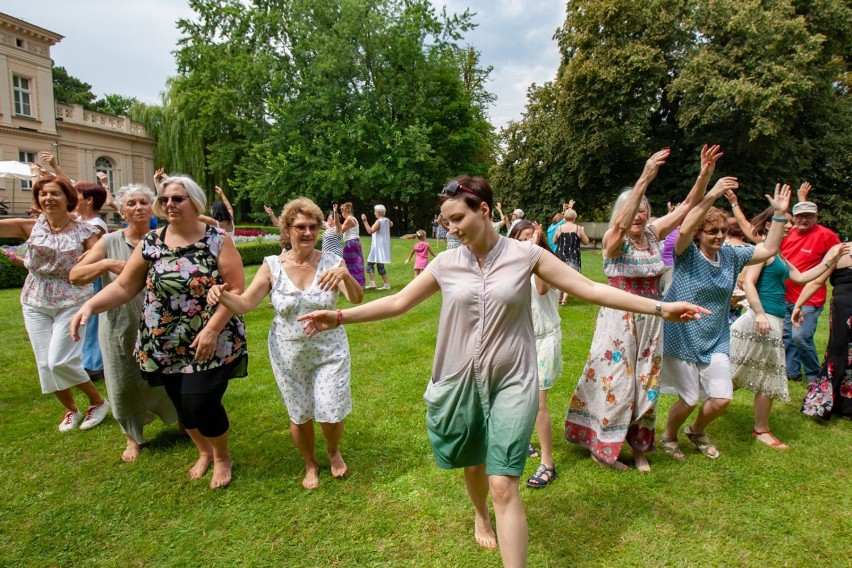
{"x": 538, "y": 479}
{"x": 532, "y": 452}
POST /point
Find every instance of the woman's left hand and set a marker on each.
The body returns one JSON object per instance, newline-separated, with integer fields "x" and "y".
{"x": 332, "y": 277}
{"x": 315, "y": 322}
{"x": 682, "y": 311}
{"x": 204, "y": 345}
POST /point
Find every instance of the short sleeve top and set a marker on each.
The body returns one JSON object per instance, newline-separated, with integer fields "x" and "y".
{"x": 49, "y": 259}
{"x": 804, "y": 251}
{"x": 485, "y": 331}
{"x": 709, "y": 284}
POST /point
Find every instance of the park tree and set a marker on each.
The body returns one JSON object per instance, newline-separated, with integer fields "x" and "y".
{"x": 765, "y": 79}
{"x": 348, "y": 99}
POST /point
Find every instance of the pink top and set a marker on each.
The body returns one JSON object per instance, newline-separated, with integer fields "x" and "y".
{"x": 421, "y": 255}
{"x": 49, "y": 259}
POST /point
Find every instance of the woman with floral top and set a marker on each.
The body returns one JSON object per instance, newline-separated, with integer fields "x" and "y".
{"x": 189, "y": 347}
{"x": 49, "y": 300}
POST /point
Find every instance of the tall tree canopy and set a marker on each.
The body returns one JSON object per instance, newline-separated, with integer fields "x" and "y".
{"x": 371, "y": 100}
{"x": 767, "y": 79}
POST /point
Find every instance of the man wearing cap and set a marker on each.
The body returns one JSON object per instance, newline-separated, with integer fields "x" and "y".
{"x": 804, "y": 247}
{"x": 517, "y": 217}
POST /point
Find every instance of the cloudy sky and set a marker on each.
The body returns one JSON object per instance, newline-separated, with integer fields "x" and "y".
{"x": 125, "y": 47}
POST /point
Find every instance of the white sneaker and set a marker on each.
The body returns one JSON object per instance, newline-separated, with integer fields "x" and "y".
{"x": 70, "y": 421}
{"x": 95, "y": 415}
{"x": 385, "y": 287}
{"x": 370, "y": 286}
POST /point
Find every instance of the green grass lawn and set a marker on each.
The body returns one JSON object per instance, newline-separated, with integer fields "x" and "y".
{"x": 69, "y": 500}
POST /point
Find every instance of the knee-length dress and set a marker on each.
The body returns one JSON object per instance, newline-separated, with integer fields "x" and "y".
{"x": 831, "y": 393}
{"x": 312, "y": 373}
{"x": 482, "y": 400}
{"x": 568, "y": 249}
{"x": 380, "y": 249}
{"x": 131, "y": 399}
{"x": 616, "y": 397}
{"x": 175, "y": 310}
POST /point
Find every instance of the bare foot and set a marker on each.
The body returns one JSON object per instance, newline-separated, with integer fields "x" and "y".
{"x": 484, "y": 534}
{"x": 614, "y": 465}
{"x": 200, "y": 468}
{"x": 641, "y": 461}
{"x": 131, "y": 452}
{"x": 311, "y": 480}
{"x": 221, "y": 474}
{"x": 338, "y": 466}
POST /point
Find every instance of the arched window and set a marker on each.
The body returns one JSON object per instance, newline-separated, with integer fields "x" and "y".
{"x": 104, "y": 164}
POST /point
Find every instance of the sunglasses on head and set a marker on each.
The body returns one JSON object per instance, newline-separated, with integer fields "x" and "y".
{"x": 454, "y": 187}
{"x": 176, "y": 199}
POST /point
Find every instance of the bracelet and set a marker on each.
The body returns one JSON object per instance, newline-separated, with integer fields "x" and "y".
{"x": 827, "y": 265}
{"x": 339, "y": 318}
{"x": 780, "y": 219}
{"x": 658, "y": 309}
{"x": 733, "y": 205}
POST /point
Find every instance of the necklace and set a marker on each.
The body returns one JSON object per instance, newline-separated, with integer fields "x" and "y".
{"x": 60, "y": 229}
{"x": 292, "y": 258}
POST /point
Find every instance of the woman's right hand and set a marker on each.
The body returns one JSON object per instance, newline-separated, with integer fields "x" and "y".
{"x": 315, "y": 322}
{"x": 761, "y": 322}
{"x": 215, "y": 292}
{"x": 79, "y": 320}
{"x": 724, "y": 185}
{"x": 682, "y": 311}
{"x": 113, "y": 265}
{"x": 652, "y": 166}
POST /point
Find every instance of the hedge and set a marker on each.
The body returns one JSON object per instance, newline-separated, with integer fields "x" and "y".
{"x": 12, "y": 276}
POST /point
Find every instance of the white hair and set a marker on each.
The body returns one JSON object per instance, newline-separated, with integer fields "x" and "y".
{"x": 619, "y": 203}
{"x": 133, "y": 189}
{"x": 381, "y": 209}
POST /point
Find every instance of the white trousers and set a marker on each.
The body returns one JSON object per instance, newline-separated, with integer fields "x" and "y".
{"x": 59, "y": 359}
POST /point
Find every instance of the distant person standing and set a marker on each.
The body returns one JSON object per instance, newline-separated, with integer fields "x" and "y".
{"x": 517, "y": 217}
{"x": 804, "y": 248}
{"x": 380, "y": 252}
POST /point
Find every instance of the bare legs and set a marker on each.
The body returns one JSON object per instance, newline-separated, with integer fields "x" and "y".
{"x": 131, "y": 451}
{"x": 304, "y": 438}
{"x": 680, "y": 411}
{"x": 211, "y": 451}
{"x": 544, "y": 429}
{"x": 66, "y": 397}
{"x": 762, "y": 432}
{"x": 508, "y": 511}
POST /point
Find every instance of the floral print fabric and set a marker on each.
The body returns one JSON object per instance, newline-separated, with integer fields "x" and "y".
{"x": 176, "y": 308}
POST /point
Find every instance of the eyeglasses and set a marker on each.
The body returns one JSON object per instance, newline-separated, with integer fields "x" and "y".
{"x": 176, "y": 199}
{"x": 305, "y": 228}
{"x": 714, "y": 232}
{"x": 454, "y": 187}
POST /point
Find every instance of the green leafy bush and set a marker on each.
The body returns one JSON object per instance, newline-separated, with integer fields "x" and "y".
{"x": 11, "y": 276}
{"x": 253, "y": 253}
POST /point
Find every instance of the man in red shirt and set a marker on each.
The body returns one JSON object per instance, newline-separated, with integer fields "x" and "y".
{"x": 804, "y": 247}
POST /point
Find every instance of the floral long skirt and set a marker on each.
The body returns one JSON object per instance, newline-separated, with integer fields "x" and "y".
{"x": 616, "y": 398}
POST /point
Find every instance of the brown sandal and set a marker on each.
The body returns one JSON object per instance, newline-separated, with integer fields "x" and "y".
{"x": 775, "y": 443}
{"x": 672, "y": 448}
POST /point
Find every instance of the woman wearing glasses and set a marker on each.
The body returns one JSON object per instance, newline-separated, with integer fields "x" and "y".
{"x": 482, "y": 401}
{"x": 312, "y": 375}
{"x": 186, "y": 345}
{"x": 695, "y": 363}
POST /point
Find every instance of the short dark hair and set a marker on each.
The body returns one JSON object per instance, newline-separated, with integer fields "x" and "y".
{"x": 96, "y": 191}
{"x": 478, "y": 185}
{"x": 219, "y": 211}
{"x": 522, "y": 226}
{"x": 63, "y": 183}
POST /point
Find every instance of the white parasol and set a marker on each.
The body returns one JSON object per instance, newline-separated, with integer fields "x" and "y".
{"x": 17, "y": 170}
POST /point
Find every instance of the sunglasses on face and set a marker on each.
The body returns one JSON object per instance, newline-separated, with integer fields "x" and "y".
{"x": 305, "y": 228}
{"x": 176, "y": 199}
{"x": 714, "y": 232}
{"x": 454, "y": 187}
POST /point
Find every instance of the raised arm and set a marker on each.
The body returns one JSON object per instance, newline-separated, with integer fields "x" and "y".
{"x": 780, "y": 201}
{"x": 224, "y": 198}
{"x": 828, "y": 262}
{"x": 696, "y": 215}
{"x": 159, "y": 176}
{"x": 742, "y": 220}
{"x": 50, "y": 160}
{"x": 624, "y": 216}
{"x": 414, "y": 293}
{"x": 275, "y": 220}
{"x": 667, "y": 223}
{"x": 804, "y": 191}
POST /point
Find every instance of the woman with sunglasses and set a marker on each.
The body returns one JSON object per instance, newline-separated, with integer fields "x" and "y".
{"x": 312, "y": 375}
{"x": 186, "y": 345}
{"x": 696, "y": 365}
{"x": 482, "y": 401}
{"x": 133, "y": 400}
